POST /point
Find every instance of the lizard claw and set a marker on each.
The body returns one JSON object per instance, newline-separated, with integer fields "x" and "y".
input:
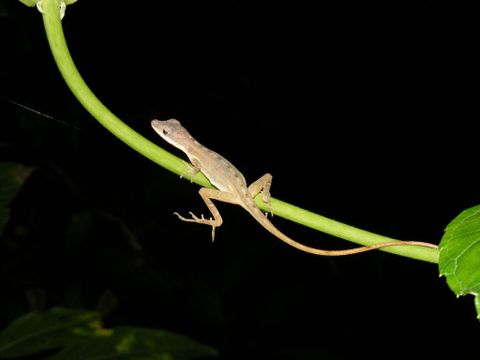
{"x": 181, "y": 217}
{"x": 213, "y": 234}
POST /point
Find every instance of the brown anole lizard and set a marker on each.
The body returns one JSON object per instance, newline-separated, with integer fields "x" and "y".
{"x": 231, "y": 187}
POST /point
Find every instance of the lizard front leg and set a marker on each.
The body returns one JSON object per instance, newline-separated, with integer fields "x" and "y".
{"x": 194, "y": 169}
{"x": 262, "y": 186}
{"x": 208, "y": 195}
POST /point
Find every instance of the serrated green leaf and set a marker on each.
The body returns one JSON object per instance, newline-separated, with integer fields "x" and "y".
{"x": 460, "y": 254}
{"x": 78, "y": 334}
{"x": 12, "y": 178}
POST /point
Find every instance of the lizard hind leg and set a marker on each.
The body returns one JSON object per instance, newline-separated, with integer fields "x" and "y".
{"x": 262, "y": 187}
{"x": 208, "y": 195}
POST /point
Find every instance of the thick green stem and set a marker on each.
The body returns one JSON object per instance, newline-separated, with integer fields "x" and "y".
{"x": 58, "y": 46}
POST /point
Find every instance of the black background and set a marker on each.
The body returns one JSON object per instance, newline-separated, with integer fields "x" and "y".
{"x": 362, "y": 111}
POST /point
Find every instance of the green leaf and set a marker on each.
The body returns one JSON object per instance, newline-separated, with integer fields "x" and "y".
{"x": 460, "y": 254}
{"x": 78, "y": 334}
{"x": 137, "y": 343}
{"x": 12, "y": 177}
{"x": 35, "y": 332}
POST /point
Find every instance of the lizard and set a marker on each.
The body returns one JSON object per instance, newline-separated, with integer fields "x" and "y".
{"x": 231, "y": 187}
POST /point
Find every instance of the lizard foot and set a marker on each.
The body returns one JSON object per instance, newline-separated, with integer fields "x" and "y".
{"x": 195, "y": 219}
{"x": 199, "y": 220}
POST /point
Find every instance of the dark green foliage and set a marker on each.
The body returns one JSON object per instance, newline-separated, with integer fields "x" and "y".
{"x": 79, "y": 334}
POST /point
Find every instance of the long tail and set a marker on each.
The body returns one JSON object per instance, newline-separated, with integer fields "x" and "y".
{"x": 262, "y": 219}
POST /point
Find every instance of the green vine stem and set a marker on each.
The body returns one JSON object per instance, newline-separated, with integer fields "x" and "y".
{"x": 63, "y": 59}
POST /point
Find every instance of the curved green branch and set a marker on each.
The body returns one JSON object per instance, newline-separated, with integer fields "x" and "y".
{"x": 58, "y": 46}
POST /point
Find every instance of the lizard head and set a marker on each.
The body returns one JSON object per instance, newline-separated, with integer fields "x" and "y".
{"x": 172, "y": 132}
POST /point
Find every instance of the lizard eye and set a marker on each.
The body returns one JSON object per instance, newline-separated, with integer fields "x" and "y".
{"x": 165, "y": 132}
